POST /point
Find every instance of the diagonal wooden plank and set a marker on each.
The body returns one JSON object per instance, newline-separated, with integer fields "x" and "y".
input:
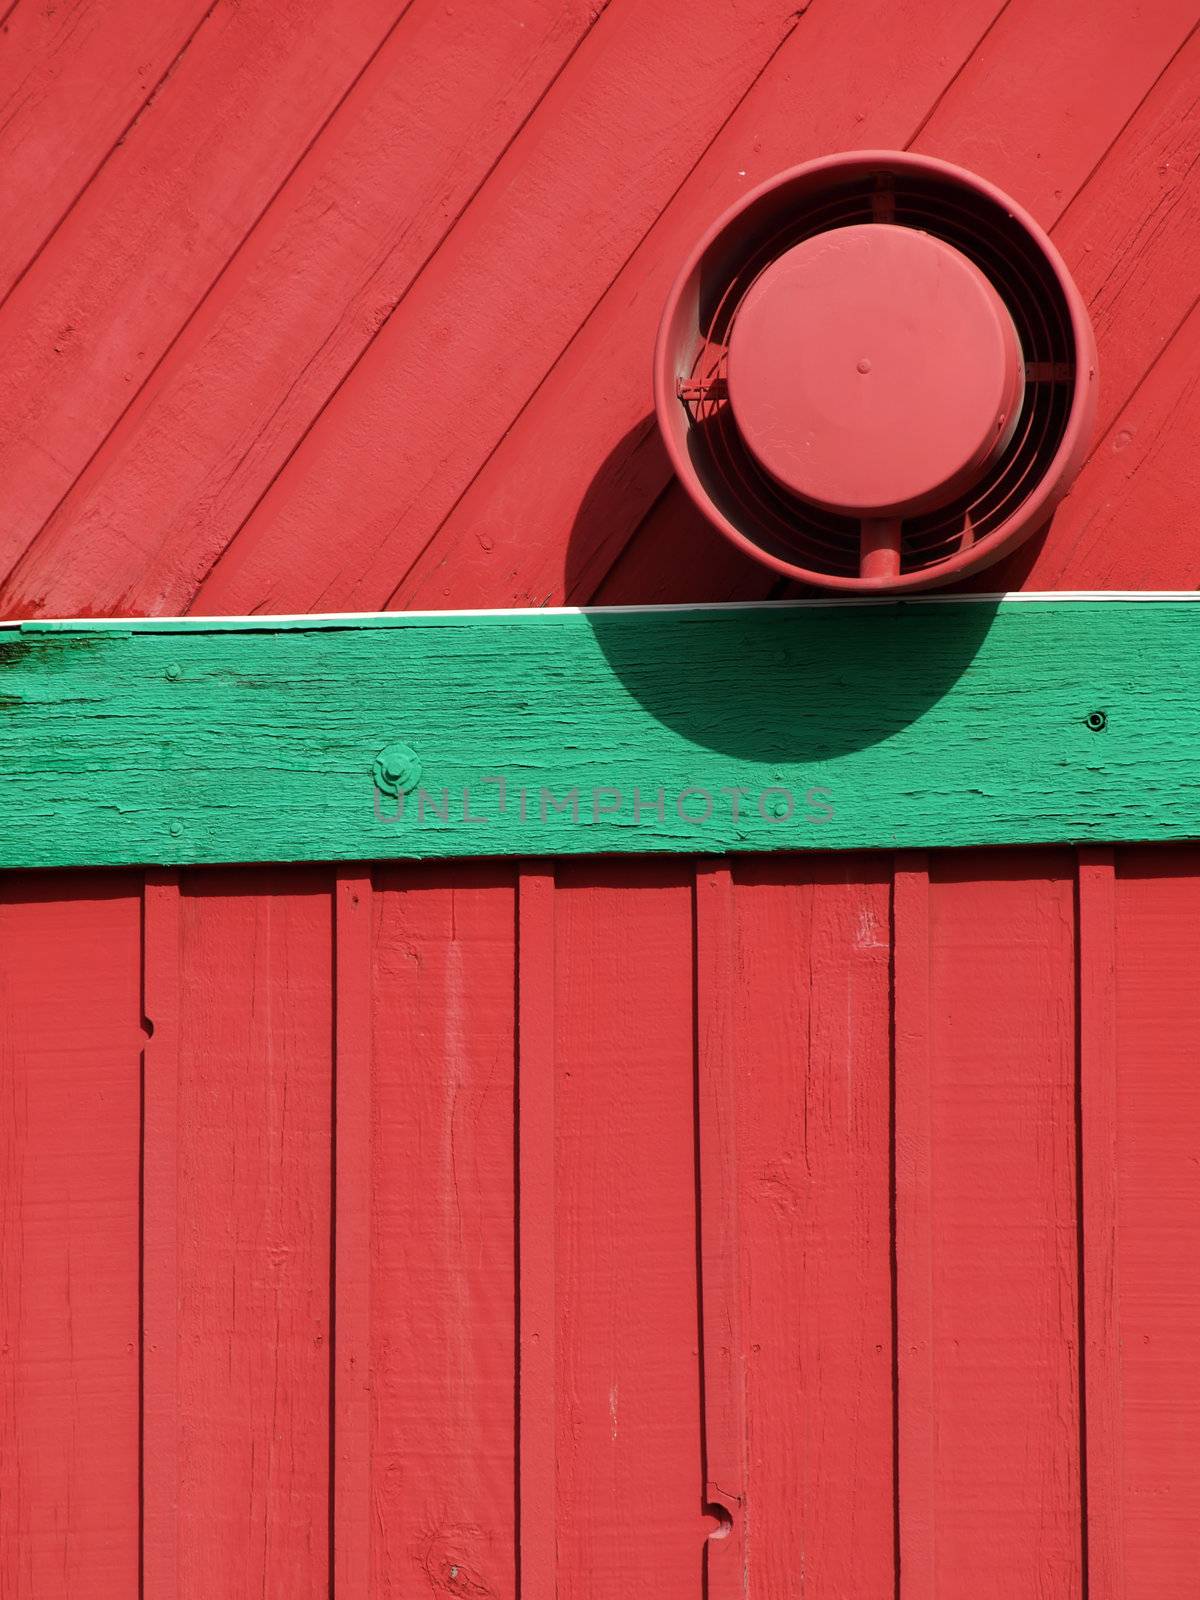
{"x": 1130, "y": 237}
{"x": 1048, "y": 90}
{"x": 595, "y": 165}
{"x": 72, "y": 80}
{"x": 675, "y": 552}
{"x": 155, "y": 227}
{"x": 284, "y": 325}
{"x": 1135, "y": 512}
{"x": 577, "y": 451}
{"x": 584, "y": 447}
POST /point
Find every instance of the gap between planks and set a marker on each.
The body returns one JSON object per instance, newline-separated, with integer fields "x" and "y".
{"x": 350, "y": 1374}
{"x": 158, "y": 1468}
{"x": 536, "y": 1480}
{"x": 722, "y": 1352}
{"x": 1100, "y": 1410}
{"x": 912, "y": 1232}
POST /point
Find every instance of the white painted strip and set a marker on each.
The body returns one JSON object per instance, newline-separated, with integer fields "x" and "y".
{"x": 334, "y": 619}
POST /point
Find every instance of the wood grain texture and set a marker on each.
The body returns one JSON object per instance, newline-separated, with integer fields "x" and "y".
{"x": 630, "y": 1478}
{"x": 673, "y": 554}
{"x": 537, "y": 1303}
{"x": 358, "y": 219}
{"x": 722, "y": 1275}
{"x": 354, "y": 915}
{"x": 1130, "y": 234}
{"x": 156, "y": 226}
{"x": 1047, "y": 91}
{"x": 585, "y": 448}
{"x": 70, "y": 982}
{"x": 443, "y": 1236}
{"x": 1004, "y": 1319}
{"x": 805, "y": 1114}
{"x": 1130, "y": 238}
{"x": 183, "y": 336}
{"x": 1140, "y": 463}
{"x": 625, "y": 120}
{"x": 71, "y": 85}
{"x": 353, "y": 305}
{"x": 447, "y": 173}
{"x": 1157, "y": 1305}
{"x": 1099, "y": 1264}
{"x": 685, "y": 1067}
{"x": 606, "y": 466}
{"x": 945, "y": 723}
{"x": 254, "y": 1173}
{"x": 161, "y": 1000}
{"x": 915, "y": 1396}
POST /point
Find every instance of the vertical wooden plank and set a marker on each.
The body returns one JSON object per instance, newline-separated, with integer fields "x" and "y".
{"x": 629, "y": 1514}
{"x": 536, "y": 1224}
{"x": 70, "y": 1052}
{"x": 255, "y": 1144}
{"x": 1158, "y": 1198}
{"x": 352, "y": 1235}
{"x": 160, "y": 1237}
{"x": 806, "y": 958}
{"x": 916, "y": 1418}
{"x": 1103, "y": 1493}
{"x": 443, "y": 1268}
{"x": 1004, "y": 1226}
{"x": 723, "y": 1349}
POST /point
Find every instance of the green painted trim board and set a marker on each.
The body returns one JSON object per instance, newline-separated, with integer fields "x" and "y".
{"x": 915, "y": 724}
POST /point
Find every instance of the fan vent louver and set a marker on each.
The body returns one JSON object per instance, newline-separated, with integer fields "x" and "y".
{"x": 986, "y": 258}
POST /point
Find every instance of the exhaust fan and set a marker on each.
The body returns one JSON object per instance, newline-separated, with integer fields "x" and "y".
{"x": 875, "y": 373}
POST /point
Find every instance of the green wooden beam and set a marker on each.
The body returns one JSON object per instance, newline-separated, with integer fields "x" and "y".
{"x": 782, "y": 727}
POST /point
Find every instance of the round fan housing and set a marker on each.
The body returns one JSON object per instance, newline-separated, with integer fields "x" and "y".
{"x": 875, "y": 373}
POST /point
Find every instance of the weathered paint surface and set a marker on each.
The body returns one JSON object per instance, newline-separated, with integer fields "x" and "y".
{"x": 491, "y": 1230}
{"x": 818, "y": 727}
{"x": 483, "y": 1209}
{"x": 378, "y": 334}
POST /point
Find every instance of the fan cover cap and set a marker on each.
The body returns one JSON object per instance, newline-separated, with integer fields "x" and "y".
{"x": 875, "y": 373}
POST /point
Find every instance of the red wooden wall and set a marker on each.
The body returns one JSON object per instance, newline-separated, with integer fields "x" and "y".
{"x": 473, "y": 1230}
{"x": 481, "y": 1208}
{"x": 312, "y": 306}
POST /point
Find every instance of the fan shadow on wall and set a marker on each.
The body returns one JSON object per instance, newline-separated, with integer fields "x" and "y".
{"x": 806, "y": 685}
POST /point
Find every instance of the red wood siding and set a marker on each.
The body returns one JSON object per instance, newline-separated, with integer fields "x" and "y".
{"x": 314, "y": 308}
{"x": 496, "y": 1229}
{"x": 479, "y": 1230}
{"x": 69, "y": 1231}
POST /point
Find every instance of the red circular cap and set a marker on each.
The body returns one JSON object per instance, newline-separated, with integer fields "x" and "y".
{"x": 874, "y": 369}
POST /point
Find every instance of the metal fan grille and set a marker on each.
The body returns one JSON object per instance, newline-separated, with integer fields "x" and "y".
{"x": 824, "y": 543}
